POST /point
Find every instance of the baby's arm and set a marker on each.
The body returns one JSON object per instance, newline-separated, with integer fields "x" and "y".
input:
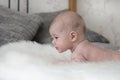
{"x": 77, "y": 57}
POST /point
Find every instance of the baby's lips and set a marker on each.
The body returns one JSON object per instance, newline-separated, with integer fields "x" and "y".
{"x": 56, "y": 48}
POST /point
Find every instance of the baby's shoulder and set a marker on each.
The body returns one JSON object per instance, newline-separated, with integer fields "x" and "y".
{"x": 80, "y": 49}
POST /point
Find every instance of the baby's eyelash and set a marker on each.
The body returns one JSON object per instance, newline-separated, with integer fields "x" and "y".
{"x": 53, "y": 37}
{"x": 56, "y": 37}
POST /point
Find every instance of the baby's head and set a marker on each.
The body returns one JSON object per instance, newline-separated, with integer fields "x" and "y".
{"x": 67, "y": 29}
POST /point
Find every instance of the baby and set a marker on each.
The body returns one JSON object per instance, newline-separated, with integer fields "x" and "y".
{"x": 68, "y": 32}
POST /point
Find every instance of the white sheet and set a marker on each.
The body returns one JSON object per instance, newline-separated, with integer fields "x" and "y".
{"x": 27, "y": 60}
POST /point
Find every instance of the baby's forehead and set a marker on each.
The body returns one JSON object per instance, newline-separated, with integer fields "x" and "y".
{"x": 56, "y": 26}
{"x": 58, "y": 23}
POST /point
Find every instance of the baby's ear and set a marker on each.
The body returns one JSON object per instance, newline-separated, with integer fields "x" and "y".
{"x": 73, "y": 36}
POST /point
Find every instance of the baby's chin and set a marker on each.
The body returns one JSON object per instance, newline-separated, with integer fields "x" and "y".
{"x": 60, "y": 51}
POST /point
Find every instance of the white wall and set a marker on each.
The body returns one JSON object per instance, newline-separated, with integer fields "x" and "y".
{"x": 47, "y": 5}
{"x": 102, "y": 16}
{"x": 36, "y": 6}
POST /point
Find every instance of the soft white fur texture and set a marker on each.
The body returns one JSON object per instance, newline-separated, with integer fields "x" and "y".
{"x": 26, "y": 60}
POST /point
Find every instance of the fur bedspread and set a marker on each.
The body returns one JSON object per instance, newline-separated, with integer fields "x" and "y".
{"x": 27, "y": 60}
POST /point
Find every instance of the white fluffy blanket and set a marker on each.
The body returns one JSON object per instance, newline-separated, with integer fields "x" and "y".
{"x": 27, "y": 60}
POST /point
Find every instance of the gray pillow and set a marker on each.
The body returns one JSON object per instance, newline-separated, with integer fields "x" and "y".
{"x": 15, "y": 26}
{"x": 43, "y": 35}
{"x": 108, "y": 46}
{"x": 95, "y": 37}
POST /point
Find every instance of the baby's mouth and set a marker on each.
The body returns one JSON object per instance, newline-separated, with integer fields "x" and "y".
{"x": 56, "y": 47}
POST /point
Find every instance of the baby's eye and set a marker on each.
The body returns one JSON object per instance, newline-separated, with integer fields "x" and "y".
{"x": 56, "y": 37}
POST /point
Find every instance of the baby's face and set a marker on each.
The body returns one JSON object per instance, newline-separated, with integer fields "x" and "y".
{"x": 61, "y": 39}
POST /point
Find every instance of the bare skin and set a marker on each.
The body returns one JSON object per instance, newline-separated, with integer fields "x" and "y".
{"x": 86, "y": 51}
{"x": 68, "y": 33}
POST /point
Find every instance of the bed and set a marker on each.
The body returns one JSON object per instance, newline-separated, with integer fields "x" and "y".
{"x": 26, "y": 52}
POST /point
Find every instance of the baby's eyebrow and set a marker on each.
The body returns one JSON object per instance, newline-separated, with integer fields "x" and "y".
{"x": 54, "y": 35}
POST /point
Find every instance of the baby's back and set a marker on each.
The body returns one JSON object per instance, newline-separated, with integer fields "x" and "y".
{"x": 95, "y": 53}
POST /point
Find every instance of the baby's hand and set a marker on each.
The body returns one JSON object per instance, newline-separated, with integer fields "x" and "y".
{"x": 62, "y": 62}
{"x": 77, "y": 60}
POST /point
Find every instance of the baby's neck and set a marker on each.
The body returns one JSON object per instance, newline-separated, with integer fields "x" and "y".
{"x": 81, "y": 42}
